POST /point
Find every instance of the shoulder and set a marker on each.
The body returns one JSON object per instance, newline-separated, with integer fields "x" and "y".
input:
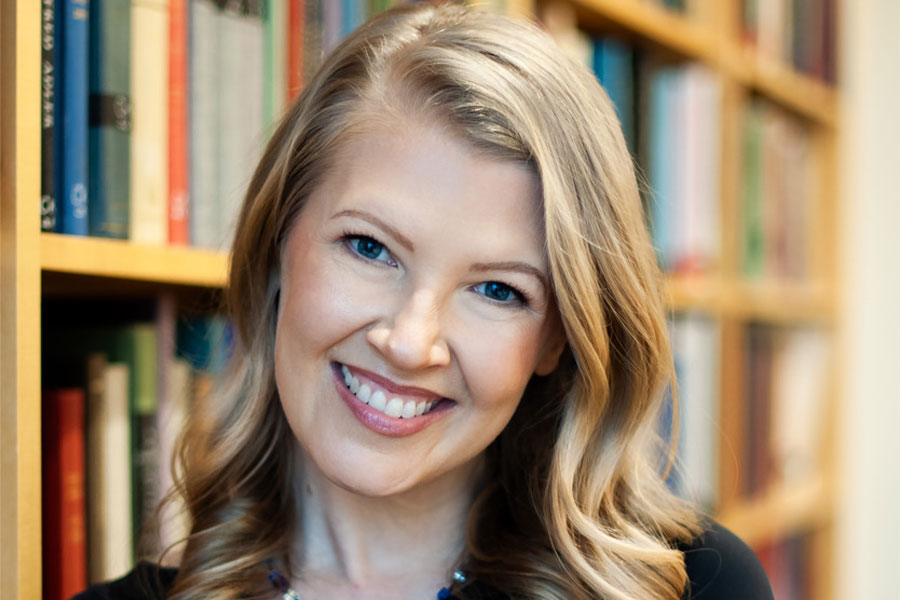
{"x": 719, "y": 565}
{"x": 146, "y": 582}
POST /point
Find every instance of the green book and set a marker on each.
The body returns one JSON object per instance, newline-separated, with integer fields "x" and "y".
{"x": 109, "y": 136}
{"x": 753, "y": 241}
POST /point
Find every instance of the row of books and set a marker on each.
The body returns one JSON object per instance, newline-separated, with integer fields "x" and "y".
{"x": 671, "y": 118}
{"x": 800, "y": 33}
{"x": 154, "y": 112}
{"x": 670, "y": 115}
{"x": 115, "y": 399}
{"x": 788, "y": 563}
{"x": 785, "y": 385}
{"x": 695, "y": 347}
{"x": 785, "y": 377}
{"x": 779, "y": 194}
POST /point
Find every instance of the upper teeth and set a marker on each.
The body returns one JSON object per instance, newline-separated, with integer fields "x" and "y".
{"x": 394, "y": 407}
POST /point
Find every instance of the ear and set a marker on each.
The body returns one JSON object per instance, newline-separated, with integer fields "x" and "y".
{"x": 554, "y": 343}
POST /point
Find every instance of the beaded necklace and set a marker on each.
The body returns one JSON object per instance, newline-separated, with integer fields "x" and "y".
{"x": 280, "y": 583}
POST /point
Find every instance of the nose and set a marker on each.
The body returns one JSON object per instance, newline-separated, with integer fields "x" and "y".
{"x": 412, "y": 338}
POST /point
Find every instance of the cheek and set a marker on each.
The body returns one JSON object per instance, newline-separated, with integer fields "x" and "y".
{"x": 498, "y": 366}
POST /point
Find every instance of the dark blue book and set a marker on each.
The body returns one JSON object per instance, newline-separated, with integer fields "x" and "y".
{"x": 72, "y": 21}
{"x": 110, "y": 118}
{"x": 48, "y": 114}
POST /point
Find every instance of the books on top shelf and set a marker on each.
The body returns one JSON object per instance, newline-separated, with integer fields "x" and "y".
{"x": 155, "y": 112}
{"x": 681, "y": 155}
{"x": 799, "y": 33}
{"x": 670, "y": 115}
{"x": 138, "y": 380}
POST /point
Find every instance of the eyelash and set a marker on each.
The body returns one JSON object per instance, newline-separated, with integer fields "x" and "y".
{"x": 349, "y": 237}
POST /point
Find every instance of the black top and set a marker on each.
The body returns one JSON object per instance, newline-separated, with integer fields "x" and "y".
{"x": 719, "y": 566}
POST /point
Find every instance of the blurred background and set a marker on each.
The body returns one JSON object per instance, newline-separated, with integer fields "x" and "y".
{"x": 765, "y": 135}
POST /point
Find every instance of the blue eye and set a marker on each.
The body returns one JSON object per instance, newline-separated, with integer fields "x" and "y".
{"x": 369, "y": 248}
{"x": 500, "y": 293}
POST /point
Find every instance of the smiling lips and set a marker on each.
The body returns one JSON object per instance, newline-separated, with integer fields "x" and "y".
{"x": 376, "y": 395}
{"x": 392, "y": 410}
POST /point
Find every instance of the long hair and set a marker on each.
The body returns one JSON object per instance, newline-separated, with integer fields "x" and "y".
{"x": 575, "y": 505}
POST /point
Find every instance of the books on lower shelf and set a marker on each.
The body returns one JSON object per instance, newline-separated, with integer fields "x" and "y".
{"x": 785, "y": 387}
{"x": 695, "y": 348}
{"x": 134, "y": 383}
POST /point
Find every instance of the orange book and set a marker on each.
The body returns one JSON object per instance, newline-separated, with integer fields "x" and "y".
{"x": 296, "y": 25}
{"x": 65, "y": 549}
{"x": 178, "y": 125}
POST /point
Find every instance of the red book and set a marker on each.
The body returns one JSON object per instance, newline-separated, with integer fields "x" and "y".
{"x": 296, "y": 24}
{"x": 65, "y": 550}
{"x": 178, "y": 125}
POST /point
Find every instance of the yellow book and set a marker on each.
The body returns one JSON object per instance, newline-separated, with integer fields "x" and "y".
{"x": 150, "y": 121}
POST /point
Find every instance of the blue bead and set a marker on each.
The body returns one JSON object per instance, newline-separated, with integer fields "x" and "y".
{"x": 443, "y": 594}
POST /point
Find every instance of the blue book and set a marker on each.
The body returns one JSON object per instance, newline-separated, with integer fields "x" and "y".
{"x": 613, "y": 63}
{"x": 351, "y": 16}
{"x": 72, "y": 116}
{"x": 661, "y": 166}
{"x": 110, "y": 118}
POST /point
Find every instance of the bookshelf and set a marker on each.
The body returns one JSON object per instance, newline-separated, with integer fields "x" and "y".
{"x": 35, "y": 265}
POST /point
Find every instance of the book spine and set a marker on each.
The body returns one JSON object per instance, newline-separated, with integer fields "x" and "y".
{"x": 65, "y": 560}
{"x": 205, "y": 33}
{"x": 312, "y": 38}
{"x": 72, "y": 107}
{"x": 178, "y": 125}
{"x": 110, "y": 119}
{"x": 48, "y": 114}
{"x": 296, "y": 26}
{"x": 145, "y": 450}
{"x": 109, "y": 470}
{"x": 150, "y": 100}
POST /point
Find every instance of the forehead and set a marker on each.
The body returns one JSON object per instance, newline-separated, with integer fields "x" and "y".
{"x": 428, "y": 180}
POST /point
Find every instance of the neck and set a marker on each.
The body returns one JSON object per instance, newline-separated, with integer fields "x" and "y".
{"x": 402, "y": 545}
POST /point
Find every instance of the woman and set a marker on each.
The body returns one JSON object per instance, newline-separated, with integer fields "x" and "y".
{"x": 451, "y": 346}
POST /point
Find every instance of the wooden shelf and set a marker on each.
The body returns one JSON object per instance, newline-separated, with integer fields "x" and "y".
{"x": 783, "y": 511}
{"x": 805, "y": 95}
{"x": 119, "y": 259}
{"x": 694, "y": 293}
{"x": 771, "y": 302}
{"x": 662, "y": 27}
{"x": 780, "y": 302}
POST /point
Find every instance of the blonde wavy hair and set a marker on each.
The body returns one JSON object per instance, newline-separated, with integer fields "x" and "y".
{"x": 576, "y": 505}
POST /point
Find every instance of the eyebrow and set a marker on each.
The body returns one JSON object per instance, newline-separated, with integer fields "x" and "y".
{"x": 391, "y": 231}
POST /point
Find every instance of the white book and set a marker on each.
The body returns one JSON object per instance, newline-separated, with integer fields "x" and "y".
{"x": 109, "y": 471}
{"x": 800, "y": 384}
{"x": 204, "y": 123}
{"x": 698, "y": 237}
{"x": 240, "y": 64}
{"x": 695, "y": 344}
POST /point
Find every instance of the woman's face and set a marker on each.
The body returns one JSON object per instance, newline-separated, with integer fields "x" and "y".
{"x": 415, "y": 306}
